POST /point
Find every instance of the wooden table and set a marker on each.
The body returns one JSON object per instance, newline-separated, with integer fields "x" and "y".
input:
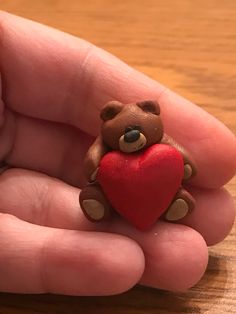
{"x": 189, "y": 46}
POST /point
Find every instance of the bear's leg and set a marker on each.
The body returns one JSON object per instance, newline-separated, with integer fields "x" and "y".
{"x": 94, "y": 203}
{"x": 182, "y": 204}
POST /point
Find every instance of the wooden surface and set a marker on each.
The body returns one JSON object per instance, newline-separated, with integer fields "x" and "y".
{"x": 190, "y": 46}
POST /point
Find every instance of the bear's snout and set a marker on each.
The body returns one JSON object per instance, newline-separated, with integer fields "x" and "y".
{"x": 132, "y": 140}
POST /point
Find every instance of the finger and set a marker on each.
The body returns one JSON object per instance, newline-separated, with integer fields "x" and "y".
{"x": 53, "y": 148}
{"x": 169, "y": 248}
{"x": 39, "y": 199}
{"x": 38, "y": 259}
{"x": 72, "y": 80}
{"x": 214, "y": 215}
{"x": 176, "y": 256}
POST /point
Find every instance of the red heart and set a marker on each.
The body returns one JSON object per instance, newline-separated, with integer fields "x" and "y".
{"x": 140, "y": 186}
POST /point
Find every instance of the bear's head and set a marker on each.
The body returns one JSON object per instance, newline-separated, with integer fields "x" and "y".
{"x": 131, "y": 127}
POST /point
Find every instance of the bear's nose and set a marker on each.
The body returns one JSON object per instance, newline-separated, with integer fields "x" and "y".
{"x": 131, "y": 136}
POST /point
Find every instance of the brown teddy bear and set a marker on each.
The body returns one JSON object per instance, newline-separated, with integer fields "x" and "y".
{"x": 130, "y": 137}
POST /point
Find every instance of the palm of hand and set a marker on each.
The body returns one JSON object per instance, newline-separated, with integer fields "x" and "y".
{"x": 52, "y": 85}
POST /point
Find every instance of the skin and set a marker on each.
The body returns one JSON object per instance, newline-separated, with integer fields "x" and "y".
{"x": 52, "y": 89}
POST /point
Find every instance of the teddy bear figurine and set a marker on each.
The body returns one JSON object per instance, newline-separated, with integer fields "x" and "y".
{"x": 134, "y": 168}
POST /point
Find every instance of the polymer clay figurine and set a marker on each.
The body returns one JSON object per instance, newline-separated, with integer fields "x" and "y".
{"x": 134, "y": 168}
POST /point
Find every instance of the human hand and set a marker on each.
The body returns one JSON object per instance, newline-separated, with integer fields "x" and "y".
{"x": 53, "y": 86}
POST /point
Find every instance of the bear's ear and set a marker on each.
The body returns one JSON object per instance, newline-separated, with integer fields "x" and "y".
{"x": 149, "y": 106}
{"x": 110, "y": 110}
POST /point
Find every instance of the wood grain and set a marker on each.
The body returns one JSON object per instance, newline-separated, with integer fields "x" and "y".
{"x": 190, "y": 46}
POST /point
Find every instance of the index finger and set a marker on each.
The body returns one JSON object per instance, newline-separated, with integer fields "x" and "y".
{"x": 51, "y": 75}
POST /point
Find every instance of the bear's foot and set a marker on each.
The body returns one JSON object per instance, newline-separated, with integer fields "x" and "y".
{"x": 94, "y": 203}
{"x": 182, "y": 205}
{"x": 93, "y": 209}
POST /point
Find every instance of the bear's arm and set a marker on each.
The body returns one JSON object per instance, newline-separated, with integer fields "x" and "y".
{"x": 190, "y": 168}
{"x": 93, "y": 157}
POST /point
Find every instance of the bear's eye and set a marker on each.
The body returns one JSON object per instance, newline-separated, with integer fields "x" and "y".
{"x": 128, "y": 129}
{"x": 137, "y": 127}
{"x": 132, "y": 127}
{"x": 149, "y": 106}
